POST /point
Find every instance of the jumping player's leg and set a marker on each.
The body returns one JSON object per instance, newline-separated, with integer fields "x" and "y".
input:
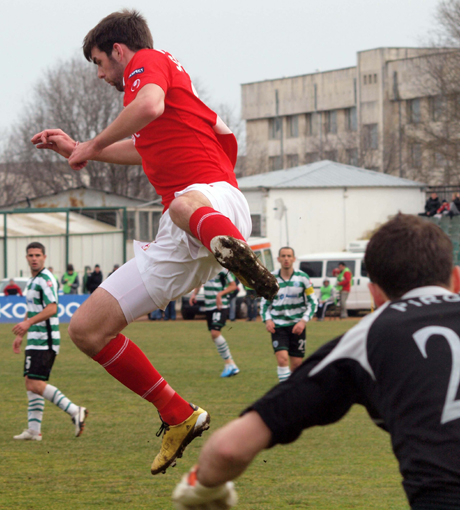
{"x": 195, "y": 213}
{"x": 95, "y": 329}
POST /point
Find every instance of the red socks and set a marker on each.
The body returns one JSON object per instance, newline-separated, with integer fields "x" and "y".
{"x": 128, "y": 364}
{"x": 207, "y": 223}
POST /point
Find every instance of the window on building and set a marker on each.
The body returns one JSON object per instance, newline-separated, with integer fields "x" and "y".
{"x": 292, "y": 126}
{"x": 274, "y": 163}
{"x": 414, "y": 111}
{"x": 292, "y": 160}
{"x": 256, "y": 225}
{"x": 311, "y": 157}
{"x": 274, "y": 128}
{"x": 351, "y": 119}
{"x": 439, "y": 159}
{"x": 311, "y": 128}
{"x": 331, "y": 121}
{"x": 365, "y": 79}
{"x": 416, "y": 155}
{"x": 370, "y": 136}
{"x": 375, "y": 78}
{"x": 436, "y": 105}
{"x": 352, "y": 157}
{"x": 331, "y": 155}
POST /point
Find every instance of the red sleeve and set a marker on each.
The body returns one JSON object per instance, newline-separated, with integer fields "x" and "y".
{"x": 229, "y": 145}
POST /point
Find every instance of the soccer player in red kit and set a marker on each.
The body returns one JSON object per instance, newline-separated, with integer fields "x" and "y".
{"x": 188, "y": 154}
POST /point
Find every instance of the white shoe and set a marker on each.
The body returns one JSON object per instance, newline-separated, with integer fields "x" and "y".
{"x": 79, "y": 420}
{"x": 29, "y": 435}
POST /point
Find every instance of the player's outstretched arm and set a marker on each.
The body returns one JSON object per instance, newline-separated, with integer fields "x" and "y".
{"x": 224, "y": 457}
{"x": 120, "y": 153}
{"x": 148, "y": 105}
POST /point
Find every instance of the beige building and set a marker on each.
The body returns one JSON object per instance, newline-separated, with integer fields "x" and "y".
{"x": 367, "y": 116}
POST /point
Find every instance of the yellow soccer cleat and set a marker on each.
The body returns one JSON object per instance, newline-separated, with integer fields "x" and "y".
{"x": 177, "y": 437}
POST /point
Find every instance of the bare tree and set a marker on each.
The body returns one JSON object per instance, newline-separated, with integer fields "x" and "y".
{"x": 71, "y": 97}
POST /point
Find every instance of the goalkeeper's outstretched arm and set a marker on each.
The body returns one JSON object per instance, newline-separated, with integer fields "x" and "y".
{"x": 231, "y": 449}
{"x": 225, "y": 456}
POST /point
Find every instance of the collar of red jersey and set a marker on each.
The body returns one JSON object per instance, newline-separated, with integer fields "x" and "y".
{"x": 430, "y": 290}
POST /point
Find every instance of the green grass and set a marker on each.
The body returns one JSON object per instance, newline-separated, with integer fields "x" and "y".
{"x": 348, "y": 465}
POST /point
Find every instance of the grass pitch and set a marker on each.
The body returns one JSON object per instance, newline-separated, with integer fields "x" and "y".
{"x": 348, "y": 465}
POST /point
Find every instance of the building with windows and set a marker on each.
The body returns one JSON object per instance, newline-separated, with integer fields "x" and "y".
{"x": 367, "y": 116}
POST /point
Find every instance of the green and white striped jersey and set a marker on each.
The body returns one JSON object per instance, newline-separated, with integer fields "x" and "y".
{"x": 295, "y": 300}
{"x": 214, "y": 286}
{"x": 41, "y": 290}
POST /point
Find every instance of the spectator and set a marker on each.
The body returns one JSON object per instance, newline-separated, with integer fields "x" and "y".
{"x": 327, "y": 297}
{"x": 94, "y": 279}
{"x": 431, "y": 205}
{"x": 51, "y": 270}
{"x": 232, "y": 300}
{"x": 252, "y": 303}
{"x": 455, "y": 205}
{"x": 12, "y": 289}
{"x": 170, "y": 311}
{"x": 70, "y": 281}
{"x": 115, "y": 267}
{"x": 84, "y": 285}
{"x": 443, "y": 210}
{"x": 343, "y": 286}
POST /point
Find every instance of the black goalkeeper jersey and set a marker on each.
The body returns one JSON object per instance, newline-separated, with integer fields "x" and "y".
{"x": 403, "y": 364}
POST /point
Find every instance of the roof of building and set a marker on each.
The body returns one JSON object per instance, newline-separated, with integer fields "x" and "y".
{"x": 325, "y": 174}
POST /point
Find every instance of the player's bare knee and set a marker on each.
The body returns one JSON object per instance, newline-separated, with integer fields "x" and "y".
{"x": 79, "y": 333}
{"x": 35, "y": 386}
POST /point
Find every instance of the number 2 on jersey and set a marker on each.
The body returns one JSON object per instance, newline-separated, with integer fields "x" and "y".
{"x": 451, "y": 410}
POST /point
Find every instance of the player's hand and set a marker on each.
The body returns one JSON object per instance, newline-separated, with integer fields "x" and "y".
{"x": 192, "y": 300}
{"x": 298, "y": 328}
{"x": 56, "y": 140}
{"x": 189, "y": 494}
{"x": 82, "y": 153}
{"x": 21, "y": 328}
{"x": 17, "y": 344}
{"x": 270, "y": 326}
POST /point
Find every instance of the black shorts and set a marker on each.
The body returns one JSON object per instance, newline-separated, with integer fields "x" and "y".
{"x": 283, "y": 339}
{"x": 38, "y": 364}
{"x": 217, "y": 318}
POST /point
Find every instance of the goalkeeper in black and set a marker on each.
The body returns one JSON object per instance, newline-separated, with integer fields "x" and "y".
{"x": 402, "y": 363}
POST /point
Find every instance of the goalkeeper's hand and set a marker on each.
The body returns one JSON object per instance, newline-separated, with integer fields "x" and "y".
{"x": 189, "y": 494}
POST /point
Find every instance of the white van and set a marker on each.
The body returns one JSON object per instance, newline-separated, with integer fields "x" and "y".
{"x": 319, "y": 266}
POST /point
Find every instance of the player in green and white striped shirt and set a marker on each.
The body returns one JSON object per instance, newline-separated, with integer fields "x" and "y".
{"x": 286, "y": 316}
{"x": 43, "y": 339}
{"x": 216, "y": 302}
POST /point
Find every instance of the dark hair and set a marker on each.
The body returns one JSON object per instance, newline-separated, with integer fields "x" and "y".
{"x": 342, "y": 264}
{"x": 36, "y": 245}
{"x": 69, "y": 267}
{"x": 123, "y": 27}
{"x": 286, "y": 248}
{"x": 408, "y": 252}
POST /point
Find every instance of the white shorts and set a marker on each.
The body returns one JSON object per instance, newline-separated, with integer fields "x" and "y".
{"x": 175, "y": 263}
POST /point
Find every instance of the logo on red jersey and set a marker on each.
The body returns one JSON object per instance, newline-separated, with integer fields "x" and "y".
{"x": 135, "y": 85}
{"x": 136, "y": 71}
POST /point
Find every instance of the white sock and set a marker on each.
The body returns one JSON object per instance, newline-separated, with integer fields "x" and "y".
{"x": 35, "y": 411}
{"x": 52, "y": 394}
{"x": 283, "y": 373}
{"x": 222, "y": 348}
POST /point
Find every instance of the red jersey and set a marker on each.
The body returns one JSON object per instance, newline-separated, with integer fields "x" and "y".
{"x": 180, "y": 147}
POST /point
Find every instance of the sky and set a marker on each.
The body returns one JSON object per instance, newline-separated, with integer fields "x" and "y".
{"x": 220, "y": 44}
